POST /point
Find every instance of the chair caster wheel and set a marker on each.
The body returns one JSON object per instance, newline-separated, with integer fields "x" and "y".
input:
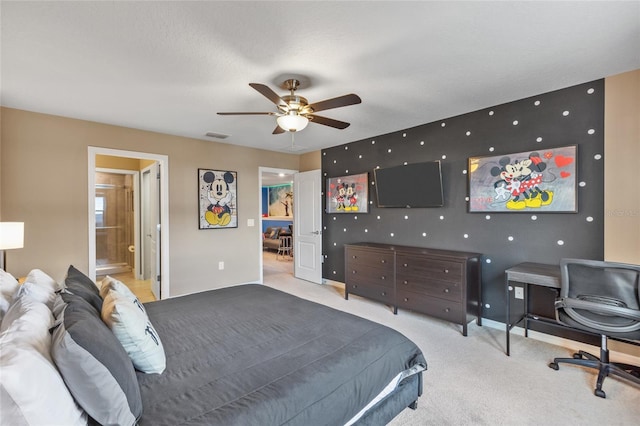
{"x": 554, "y": 365}
{"x": 600, "y": 393}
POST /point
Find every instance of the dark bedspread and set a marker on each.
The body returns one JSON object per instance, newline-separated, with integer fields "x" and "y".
{"x": 252, "y": 355}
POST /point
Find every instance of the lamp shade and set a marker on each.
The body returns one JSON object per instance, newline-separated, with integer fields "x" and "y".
{"x": 292, "y": 122}
{"x": 11, "y": 235}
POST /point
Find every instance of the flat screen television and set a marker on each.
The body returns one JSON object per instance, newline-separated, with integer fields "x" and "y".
{"x": 409, "y": 186}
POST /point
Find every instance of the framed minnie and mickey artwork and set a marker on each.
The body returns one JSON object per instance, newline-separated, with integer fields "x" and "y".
{"x": 542, "y": 181}
{"x": 348, "y": 194}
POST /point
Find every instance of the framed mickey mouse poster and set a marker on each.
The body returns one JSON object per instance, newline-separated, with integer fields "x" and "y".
{"x": 536, "y": 181}
{"x": 217, "y": 199}
{"x": 348, "y": 194}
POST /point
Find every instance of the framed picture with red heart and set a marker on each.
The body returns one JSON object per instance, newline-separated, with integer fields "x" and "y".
{"x": 542, "y": 181}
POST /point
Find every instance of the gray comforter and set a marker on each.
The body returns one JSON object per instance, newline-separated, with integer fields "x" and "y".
{"x": 252, "y": 355}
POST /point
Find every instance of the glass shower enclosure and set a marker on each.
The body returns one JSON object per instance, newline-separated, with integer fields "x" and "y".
{"x": 115, "y": 250}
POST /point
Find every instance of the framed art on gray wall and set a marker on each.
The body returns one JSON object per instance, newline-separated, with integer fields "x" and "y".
{"x": 542, "y": 181}
{"x": 217, "y": 199}
{"x": 348, "y": 194}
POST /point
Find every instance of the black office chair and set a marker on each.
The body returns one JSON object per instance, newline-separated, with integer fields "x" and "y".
{"x": 603, "y": 298}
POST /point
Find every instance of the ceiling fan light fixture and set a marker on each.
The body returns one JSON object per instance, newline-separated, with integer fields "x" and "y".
{"x": 292, "y": 122}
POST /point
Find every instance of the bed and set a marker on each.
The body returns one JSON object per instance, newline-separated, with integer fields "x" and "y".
{"x": 253, "y": 355}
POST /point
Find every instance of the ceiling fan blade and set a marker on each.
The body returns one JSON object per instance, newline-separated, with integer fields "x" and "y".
{"x": 340, "y": 101}
{"x": 328, "y": 121}
{"x": 246, "y": 113}
{"x": 268, "y": 93}
{"x": 278, "y": 130}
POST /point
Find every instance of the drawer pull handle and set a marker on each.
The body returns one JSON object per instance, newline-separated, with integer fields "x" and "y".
{"x": 406, "y": 299}
{"x": 383, "y": 261}
{"x": 354, "y": 272}
{"x": 405, "y": 265}
{"x": 354, "y": 256}
{"x": 446, "y": 271}
{"x": 383, "y": 277}
{"x": 355, "y": 286}
{"x": 446, "y": 290}
{"x": 383, "y": 294}
{"x": 405, "y": 282}
{"x": 446, "y": 309}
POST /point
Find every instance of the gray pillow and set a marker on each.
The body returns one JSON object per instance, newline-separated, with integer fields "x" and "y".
{"x": 94, "y": 365}
{"x": 81, "y": 285}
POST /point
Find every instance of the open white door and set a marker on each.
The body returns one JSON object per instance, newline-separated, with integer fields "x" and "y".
{"x": 307, "y": 188}
{"x": 151, "y": 226}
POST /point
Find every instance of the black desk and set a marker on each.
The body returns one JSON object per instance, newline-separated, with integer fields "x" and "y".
{"x": 528, "y": 273}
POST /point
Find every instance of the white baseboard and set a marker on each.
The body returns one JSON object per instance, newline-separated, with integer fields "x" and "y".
{"x": 618, "y": 351}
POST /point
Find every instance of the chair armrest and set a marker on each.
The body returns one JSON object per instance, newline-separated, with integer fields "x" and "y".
{"x": 598, "y": 308}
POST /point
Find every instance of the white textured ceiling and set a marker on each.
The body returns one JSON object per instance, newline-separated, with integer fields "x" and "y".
{"x": 170, "y": 66}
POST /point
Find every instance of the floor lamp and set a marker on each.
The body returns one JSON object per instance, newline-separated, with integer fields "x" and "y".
{"x": 11, "y": 237}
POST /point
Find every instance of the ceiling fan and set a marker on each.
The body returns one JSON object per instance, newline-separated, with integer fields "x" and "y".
{"x": 294, "y": 112}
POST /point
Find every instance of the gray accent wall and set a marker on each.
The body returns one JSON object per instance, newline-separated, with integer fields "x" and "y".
{"x": 570, "y": 116}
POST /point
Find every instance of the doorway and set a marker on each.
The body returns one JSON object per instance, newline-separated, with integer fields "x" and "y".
{"x": 272, "y": 182}
{"x": 133, "y": 164}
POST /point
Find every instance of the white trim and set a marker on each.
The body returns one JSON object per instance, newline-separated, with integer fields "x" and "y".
{"x": 621, "y": 351}
{"x": 259, "y": 235}
{"x": 164, "y": 211}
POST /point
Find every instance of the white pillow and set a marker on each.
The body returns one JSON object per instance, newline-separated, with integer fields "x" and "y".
{"x": 32, "y": 389}
{"x": 39, "y": 286}
{"x": 109, "y": 283}
{"x": 132, "y": 328}
{"x": 8, "y": 287}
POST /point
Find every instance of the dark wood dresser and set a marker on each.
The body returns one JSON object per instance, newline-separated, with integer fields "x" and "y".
{"x": 445, "y": 284}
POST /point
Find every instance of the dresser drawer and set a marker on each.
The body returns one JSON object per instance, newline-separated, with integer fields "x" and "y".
{"x": 371, "y": 291}
{"x": 369, "y": 258}
{"x": 434, "y": 306}
{"x": 365, "y": 276}
{"x": 429, "y": 269}
{"x": 445, "y": 289}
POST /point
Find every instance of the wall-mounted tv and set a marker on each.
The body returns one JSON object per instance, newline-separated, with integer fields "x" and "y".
{"x": 409, "y": 186}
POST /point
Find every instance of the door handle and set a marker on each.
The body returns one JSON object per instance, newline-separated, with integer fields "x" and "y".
{"x": 315, "y": 232}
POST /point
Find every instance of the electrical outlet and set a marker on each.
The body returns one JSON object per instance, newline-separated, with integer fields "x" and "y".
{"x": 519, "y": 292}
{"x": 221, "y": 265}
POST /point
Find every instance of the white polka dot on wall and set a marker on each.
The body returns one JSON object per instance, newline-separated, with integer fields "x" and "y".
{"x": 335, "y": 244}
{"x": 491, "y": 149}
{"x": 464, "y": 172}
{"x": 404, "y": 135}
{"x": 346, "y": 148}
{"x": 468, "y": 133}
{"x": 324, "y": 153}
{"x": 534, "y": 217}
{"x": 590, "y": 91}
{"x": 405, "y": 163}
{"x": 582, "y": 184}
{"x": 421, "y": 142}
{"x": 389, "y": 150}
{"x": 536, "y": 103}
{"x": 488, "y": 217}
{"x": 355, "y": 218}
{"x": 344, "y": 229}
{"x": 597, "y": 156}
{"x": 560, "y": 242}
{"x": 510, "y": 238}
{"x": 487, "y": 306}
{"x": 538, "y": 139}
{"x": 378, "y": 218}
{"x": 488, "y": 260}
{"x": 466, "y": 198}
{"x": 490, "y": 112}
{"x": 406, "y": 217}
{"x": 335, "y": 161}
{"x": 346, "y": 171}
{"x": 441, "y": 217}
{"x": 391, "y": 234}
{"x": 515, "y": 122}
{"x": 466, "y": 235}
{"x": 373, "y": 142}
{"x": 424, "y": 234}
{"x": 334, "y": 218}
{"x": 444, "y": 157}
{"x": 565, "y": 113}
{"x": 443, "y": 124}
{"x": 591, "y": 131}
{"x": 589, "y": 219}
{"x": 366, "y": 230}
{"x": 360, "y": 156}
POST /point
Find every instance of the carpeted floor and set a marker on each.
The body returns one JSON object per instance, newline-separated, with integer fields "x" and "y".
{"x": 470, "y": 381}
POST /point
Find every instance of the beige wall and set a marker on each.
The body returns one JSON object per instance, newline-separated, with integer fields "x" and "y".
{"x": 44, "y": 183}
{"x": 310, "y": 161}
{"x": 622, "y": 153}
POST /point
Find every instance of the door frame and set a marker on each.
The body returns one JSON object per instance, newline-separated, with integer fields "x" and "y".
{"x": 164, "y": 210}
{"x": 262, "y": 169}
